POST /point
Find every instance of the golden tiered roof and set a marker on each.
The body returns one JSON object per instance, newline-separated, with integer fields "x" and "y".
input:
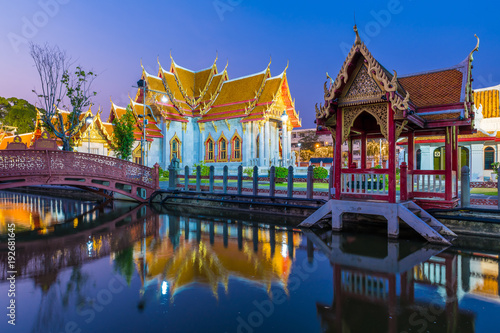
{"x": 489, "y": 99}
{"x": 211, "y": 96}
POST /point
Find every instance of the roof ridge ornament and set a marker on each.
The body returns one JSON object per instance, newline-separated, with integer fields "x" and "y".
{"x": 358, "y": 39}
{"x": 475, "y": 49}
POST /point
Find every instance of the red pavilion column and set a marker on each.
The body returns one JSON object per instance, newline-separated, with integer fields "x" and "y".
{"x": 338, "y": 152}
{"x": 448, "y": 166}
{"x": 363, "y": 150}
{"x": 454, "y": 141}
{"x": 391, "y": 130}
{"x": 411, "y": 151}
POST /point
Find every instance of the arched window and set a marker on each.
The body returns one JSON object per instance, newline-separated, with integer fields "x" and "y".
{"x": 209, "y": 149}
{"x": 222, "y": 149}
{"x": 175, "y": 148}
{"x": 236, "y": 148}
{"x": 489, "y": 158}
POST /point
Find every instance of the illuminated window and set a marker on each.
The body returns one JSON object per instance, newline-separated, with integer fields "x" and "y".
{"x": 175, "y": 148}
{"x": 209, "y": 149}
{"x": 489, "y": 158}
{"x": 236, "y": 148}
{"x": 222, "y": 149}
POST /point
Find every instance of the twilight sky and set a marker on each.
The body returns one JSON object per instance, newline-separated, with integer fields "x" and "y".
{"x": 111, "y": 37}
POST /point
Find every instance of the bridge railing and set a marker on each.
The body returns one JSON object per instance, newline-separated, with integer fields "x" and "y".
{"x": 62, "y": 163}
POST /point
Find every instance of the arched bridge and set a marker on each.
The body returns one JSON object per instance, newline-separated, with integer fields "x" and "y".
{"x": 94, "y": 173}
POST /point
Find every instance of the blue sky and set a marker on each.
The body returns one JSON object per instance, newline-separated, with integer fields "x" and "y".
{"x": 111, "y": 37}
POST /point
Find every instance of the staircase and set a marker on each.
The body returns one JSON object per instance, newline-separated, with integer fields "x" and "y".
{"x": 423, "y": 223}
{"x": 409, "y": 212}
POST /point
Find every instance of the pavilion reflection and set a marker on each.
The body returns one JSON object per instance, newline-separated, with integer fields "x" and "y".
{"x": 380, "y": 283}
{"x": 191, "y": 252}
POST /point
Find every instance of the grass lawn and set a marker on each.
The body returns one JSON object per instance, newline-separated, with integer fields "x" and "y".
{"x": 485, "y": 191}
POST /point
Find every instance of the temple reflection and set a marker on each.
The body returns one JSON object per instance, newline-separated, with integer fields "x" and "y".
{"x": 209, "y": 253}
{"x": 385, "y": 282}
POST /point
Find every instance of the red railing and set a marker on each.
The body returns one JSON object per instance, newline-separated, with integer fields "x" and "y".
{"x": 425, "y": 183}
{"x": 62, "y": 165}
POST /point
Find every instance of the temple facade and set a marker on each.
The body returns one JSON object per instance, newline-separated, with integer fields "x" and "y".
{"x": 203, "y": 116}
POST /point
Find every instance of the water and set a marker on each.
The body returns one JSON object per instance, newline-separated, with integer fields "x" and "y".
{"x": 124, "y": 269}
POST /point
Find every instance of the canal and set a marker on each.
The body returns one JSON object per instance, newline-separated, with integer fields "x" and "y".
{"x": 114, "y": 267}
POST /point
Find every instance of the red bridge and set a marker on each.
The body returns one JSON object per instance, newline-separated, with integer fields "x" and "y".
{"x": 95, "y": 173}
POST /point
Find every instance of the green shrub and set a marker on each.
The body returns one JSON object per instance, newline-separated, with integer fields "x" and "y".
{"x": 205, "y": 169}
{"x": 248, "y": 171}
{"x": 281, "y": 172}
{"x": 320, "y": 172}
{"x": 163, "y": 173}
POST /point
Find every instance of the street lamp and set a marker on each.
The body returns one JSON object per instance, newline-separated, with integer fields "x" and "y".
{"x": 88, "y": 121}
{"x": 284, "y": 119}
{"x": 298, "y": 159}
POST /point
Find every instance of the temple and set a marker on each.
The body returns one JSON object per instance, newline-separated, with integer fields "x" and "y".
{"x": 366, "y": 101}
{"x": 203, "y": 116}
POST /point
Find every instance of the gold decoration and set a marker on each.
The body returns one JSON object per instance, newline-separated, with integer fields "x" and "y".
{"x": 184, "y": 127}
{"x": 375, "y": 70}
{"x": 400, "y": 128}
{"x": 215, "y": 126}
{"x": 167, "y": 124}
{"x": 227, "y": 124}
{"x": 378, "y": 111}
{"x": 202, "y": 127}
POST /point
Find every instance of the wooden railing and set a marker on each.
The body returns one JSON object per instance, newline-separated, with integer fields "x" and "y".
{"x": 364, "y": 182}
{"x": 425, "y": 183}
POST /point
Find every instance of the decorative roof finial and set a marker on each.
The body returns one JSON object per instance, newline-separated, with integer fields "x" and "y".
{"x": 475, "y": 49}
{"x": 158, "y": 61}
{"x": 287, "y": 62}
{"x": 358, "y": 39}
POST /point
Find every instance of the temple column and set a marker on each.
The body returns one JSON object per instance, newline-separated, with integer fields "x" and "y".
{"x": 267, "y": 145}
{"x": 476, "y": 162}
{"x": 201, "y": 148}
{"x": 391, "y": 138}
{"x": 363, "y": 150}
{"x": 448, "y": 164}
{"x": 165, "y": 145}
{"x": 261, "y": 144}
{"x": 276, "y": 136}
{"x": 426, "y": 152}
{"x": 455, "y": 157}
{"x": 251, "y": 138}
{"x": 289, "y": 143}
{"x": 247, "y": 151}
{"x": 183, "y": 146}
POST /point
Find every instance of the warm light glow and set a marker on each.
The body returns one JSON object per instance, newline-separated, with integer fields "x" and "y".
{"x": 317, "y": 145}
{"x": 164, "y": 99}
{"x": 299, "y": 144}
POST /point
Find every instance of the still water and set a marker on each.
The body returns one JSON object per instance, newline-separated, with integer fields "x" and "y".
{"x": 87, "y": 267}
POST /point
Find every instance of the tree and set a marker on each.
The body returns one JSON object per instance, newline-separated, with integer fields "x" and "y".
{"x": 59, "y": 83}
{"x": 123, "y": 134}
{"x": 309, "y": 141}
{"x": 18, "y": 113}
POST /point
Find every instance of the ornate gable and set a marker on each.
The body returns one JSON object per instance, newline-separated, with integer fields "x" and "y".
{"x": 363, "y": 87}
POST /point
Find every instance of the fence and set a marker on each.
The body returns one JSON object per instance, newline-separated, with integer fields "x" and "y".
{"x": 255, "y": 185}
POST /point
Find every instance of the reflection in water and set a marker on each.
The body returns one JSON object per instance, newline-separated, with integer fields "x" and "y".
{"x": 129, "y": 269}
{"x": 415, "y": 291}
{"x": 34, "y": 212}
{"x": 190, "y": 251}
